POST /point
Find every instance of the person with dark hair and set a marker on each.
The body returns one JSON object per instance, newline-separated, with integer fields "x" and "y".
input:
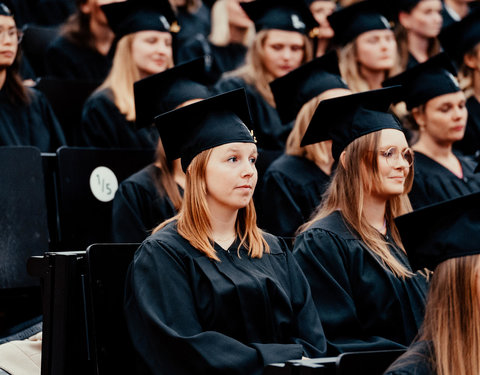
{"x": 80, "y": 52}
{"x": 444, "y": 238}
{"x": 26, "y": 117}
{"x": 321, "y": 9}
{"x": 367, "y": 296}
{"x": 209, "y": 292}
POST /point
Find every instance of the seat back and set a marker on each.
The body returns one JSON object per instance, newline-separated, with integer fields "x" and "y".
{"x": 366, "y": 363}
{"x": 87, "y": 180}
{"x": 34, "y": 45}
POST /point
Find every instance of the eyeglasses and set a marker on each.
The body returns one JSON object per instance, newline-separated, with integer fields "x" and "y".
{"x": 12, "y": 34}
{"x": 392, "y": 156}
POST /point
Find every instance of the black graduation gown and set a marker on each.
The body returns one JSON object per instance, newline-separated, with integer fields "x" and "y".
{"x": 292, "y": 189}
{"x": 416, "y": 361}
{"x": 188, "y": 314}
{"x": 361, "y": 303}
{"x": 192, "y": 24}
{"x": 72, "y": 61}
{"x": 411, "y": 62}
{"x": 434, "y": 183}
{"x": 139, "y": 206}
{"x": 271, "y": 134}
{"x": 33, "y": 124}
{"x": 104, "y": 126}
{"x": 470, "y": 143}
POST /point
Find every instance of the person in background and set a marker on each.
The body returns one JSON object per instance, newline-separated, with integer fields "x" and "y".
{"x": 444, "y": 238}
{"x": 294, "y": 183}
{"x": 209, "y": 292}
{"x": 321, "y": 9}
{"x": 143, "y": 46}
{"x": 154, "y": 194}
{"x": 367, "y": 296}
{"x": 26, "y": 117}
{"x": 81, "y": 50}
{"x": 418, "y": 24}
{"x": 454, "y": 10}
{"x": 366, "y": 46}
{"x": 438, "y": 112}
{"x": 461, "y": 41}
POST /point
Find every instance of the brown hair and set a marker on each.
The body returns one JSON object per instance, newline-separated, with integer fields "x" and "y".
{"x": 193, "y": 219}
{"x": 452, "y": 317}
{"x": 254, "y": 71}
{"x": 351, "y": 181}
{"x": 465, "y": 73}
{"x": 77, "y": 27}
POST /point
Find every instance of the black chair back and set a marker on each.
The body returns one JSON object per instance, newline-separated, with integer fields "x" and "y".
{"x": 366, "y": 363}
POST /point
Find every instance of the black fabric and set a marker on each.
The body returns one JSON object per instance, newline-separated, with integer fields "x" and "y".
{"x": 271, "y": 134}
{"x": 33, "y": 124}
{"x": 139, "y": 206}
{"x": 292, "y": 189}
{"x": 417, "y": 360}
{"x": 433, "y": 182}
{"x": 470, "y": 143}
{"x": 362, "y": 304}
{"x": 68, "y": 60}
{"x": 188, "y": 314}
{"x": 192, "y": 23}
{"x": 104, "y": 126}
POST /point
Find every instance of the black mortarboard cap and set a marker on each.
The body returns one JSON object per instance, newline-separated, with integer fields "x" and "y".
{"x": 349, "y": 117}
{"x": 221, "y": 119}
{"x": 441, "y": 231}
{"x": 296, "y": 88}
{"x": 289, "y": 15}
{"x": 5, "y": 10}
{"x": 163, "y": 92}
{"x": 426, "y": 81}
{"x": 138, "y": 15}
{"x": 403, "y": 5}
{"x": 355, "y": 19}
{"x": 460, "y": 37}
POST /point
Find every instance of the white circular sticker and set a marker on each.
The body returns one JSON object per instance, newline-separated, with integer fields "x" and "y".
{"x": 103, "y": 184}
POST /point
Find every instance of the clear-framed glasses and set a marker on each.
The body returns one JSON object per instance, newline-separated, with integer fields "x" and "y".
{"x": 393, "y": 154}
{"x": 13, "y": 34}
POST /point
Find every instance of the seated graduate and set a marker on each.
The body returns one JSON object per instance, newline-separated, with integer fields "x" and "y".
{"x": 321, "y": 9}
{"x": 366, "y": 294}
{"x": 154, "y": 194}
{"x": 461, "y": 41}
{"x": 366, "y": 45}
{"x": 444, "y": 237}
{"x": 80, "y": 52}
{"x": 26, "y": 117}
{"x": 209, "y": 292}
{"x": 143, "y": 46}
{"x": 437, "y": 108}
{"x": 280, "y": 46}
{"x": 294, "y": 183}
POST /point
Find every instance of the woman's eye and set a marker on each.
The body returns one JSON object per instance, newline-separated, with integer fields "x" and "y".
{"x": 232, "y": 159}
{"x": 253, "y": 160}
{"x": 389, "y": 153}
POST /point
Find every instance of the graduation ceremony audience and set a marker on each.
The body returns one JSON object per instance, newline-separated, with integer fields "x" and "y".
{"x": 280, "y": 217}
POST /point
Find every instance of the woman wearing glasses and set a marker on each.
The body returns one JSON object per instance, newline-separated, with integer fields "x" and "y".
{"x": 26, "y": 117}
{"x": 438, "y": 113}
{"x": 366, "y": 294}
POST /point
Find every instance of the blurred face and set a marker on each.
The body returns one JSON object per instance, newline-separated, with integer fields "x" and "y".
{"x": 92, "y": 7}
{"x": 231, "y": 176}
{"x": 236, "y": 16}
{"x": 444, "y": 118}
{"x": 152, "y": 51}
{"x": 320, "y": 10}
{"x": 472, "y": 60}
{"x": 394, "y": 158}
{"x": 283, "y": 51}
{"x": 425, "y": 19}
{"x": 376, "y": 50}
{"x": 8, "y": 41}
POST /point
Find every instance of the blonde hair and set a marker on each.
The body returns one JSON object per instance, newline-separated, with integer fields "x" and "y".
{"x": 350, "y": 68}
{"x": 123, "y": 74}
{"x": 255, "y": 73}
{"x": 320, "y": 153}
{"x": 165, "y": 183}
{"x": 465, "y": 74}
{"x": 351, "y": 182}
{"x": 193, "y": 219}
{"x": 220, "y": 29}
{"x": 452, "y": 317}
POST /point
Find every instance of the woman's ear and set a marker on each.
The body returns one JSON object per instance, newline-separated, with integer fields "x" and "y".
{"x": 342, "y": 159}
{"x": 471, "y": 61}
{"x": 419, "y": 117}
{"x": 404, "y": 19}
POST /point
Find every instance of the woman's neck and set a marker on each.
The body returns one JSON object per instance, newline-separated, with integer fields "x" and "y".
{"x": 3, "y": 77}
{"x": 237, "y": 34}
{"x": 432, "y": 149}
{"x": 223, "y": 222}
{"x": 103, "y": 36}
{"x": 374, "y": 212}
{"x": 418, "y": 46}
{"x": 374, "y": 78}
{"x": 322, "y": 45}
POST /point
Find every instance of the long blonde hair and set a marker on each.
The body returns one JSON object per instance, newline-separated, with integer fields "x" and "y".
{"x": 452, "y": 316}
{"x": 255, "y": 73}
{"x": 320, "y": 153}
{"x": 351, "y": 182}
{"x": 123, "y": 74}
{"x": 350, "y": 68}
{"x": 193, "y": 220}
